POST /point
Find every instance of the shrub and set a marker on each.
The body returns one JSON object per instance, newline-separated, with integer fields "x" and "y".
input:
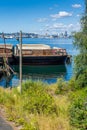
{"x": 37, "y": 100}
{"x": 78, "y": 109}
{"x": 61, "y": 86}
{"x": 81, "y": 80}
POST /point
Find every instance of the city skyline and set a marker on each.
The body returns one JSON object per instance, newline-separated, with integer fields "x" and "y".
{"x": 36, "y": 16}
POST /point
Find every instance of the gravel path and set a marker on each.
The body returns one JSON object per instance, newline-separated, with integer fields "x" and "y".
{"x": 4, "y": 125}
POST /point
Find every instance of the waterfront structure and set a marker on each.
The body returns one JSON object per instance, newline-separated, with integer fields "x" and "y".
{"x": 39, "y": 54}
{"x": 33, "y": 54}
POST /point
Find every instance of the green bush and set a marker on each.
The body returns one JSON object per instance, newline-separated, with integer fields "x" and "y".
{"x": 78, "y": 109}
{"x": 62, "y": 86}
{"x": 81, "y": 79}
{"x": 36, "y": 99}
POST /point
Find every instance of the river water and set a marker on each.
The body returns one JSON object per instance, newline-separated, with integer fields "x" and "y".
{"x": 48, "y": 74}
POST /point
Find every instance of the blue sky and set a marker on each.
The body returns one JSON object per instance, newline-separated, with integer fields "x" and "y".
{"x": 40, "y": 16}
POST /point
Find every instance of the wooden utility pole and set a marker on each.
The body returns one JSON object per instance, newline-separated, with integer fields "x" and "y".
{"x": 4, "y": 51}
{"x": 4, "y": 42}
{"x": 20, "y": 61}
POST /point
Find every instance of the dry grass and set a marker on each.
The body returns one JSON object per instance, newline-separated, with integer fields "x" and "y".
{"x": 45, "y": 122}
{"x": 52, "y": 123}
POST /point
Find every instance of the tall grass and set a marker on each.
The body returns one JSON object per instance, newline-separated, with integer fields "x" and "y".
{"x": 37, "y": 108}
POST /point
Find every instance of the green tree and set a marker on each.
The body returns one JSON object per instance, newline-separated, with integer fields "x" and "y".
{"x": 80, "y": 41}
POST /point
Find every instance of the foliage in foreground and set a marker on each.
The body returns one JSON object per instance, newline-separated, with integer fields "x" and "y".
{"x": 49, "y": 107}
{"x": 78, "y": 109}
{"x": 78, "y": 101}
{"x": 80, "y": 41}
{"x": 37, "y": 108}
{"x": 38, "y": 101}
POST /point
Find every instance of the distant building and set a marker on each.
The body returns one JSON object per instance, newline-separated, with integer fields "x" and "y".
{"x": 55, "y": 36}
{"x": 65, "y": 34}
{"x": 61, "y": 35}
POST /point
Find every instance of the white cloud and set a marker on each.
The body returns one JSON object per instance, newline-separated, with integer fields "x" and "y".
{"x": 61, "y": 14}
{"x": 41, "y": 20}
{"x": 76, "y": 6}
{"x": 60, "y": 27}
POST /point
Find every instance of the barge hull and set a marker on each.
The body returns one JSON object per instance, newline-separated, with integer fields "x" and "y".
{"x": 41, "y": 60}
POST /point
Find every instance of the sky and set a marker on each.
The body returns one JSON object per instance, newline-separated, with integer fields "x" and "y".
{"x": 41, "y": 16}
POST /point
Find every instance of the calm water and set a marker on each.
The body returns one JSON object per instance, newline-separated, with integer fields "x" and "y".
{"x": 48, "y": 74}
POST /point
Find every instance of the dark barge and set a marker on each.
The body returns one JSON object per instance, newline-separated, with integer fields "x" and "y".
{"x": 39, "y": 54}
{"x": 33, "y": 54}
